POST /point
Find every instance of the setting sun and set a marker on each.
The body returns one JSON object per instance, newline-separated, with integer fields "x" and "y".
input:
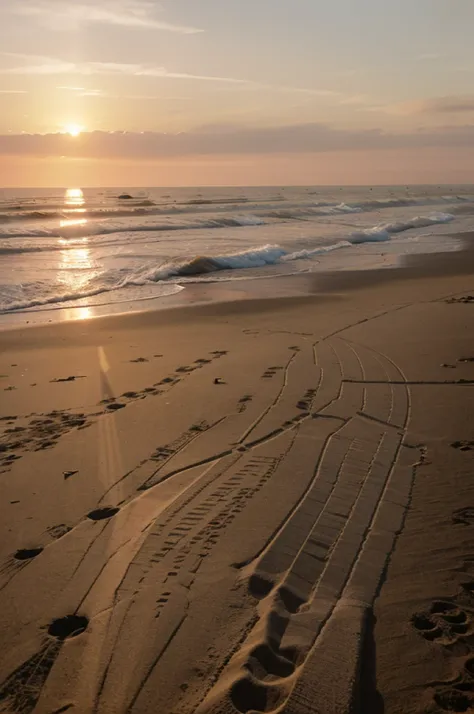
{"x": 73, "y": 129}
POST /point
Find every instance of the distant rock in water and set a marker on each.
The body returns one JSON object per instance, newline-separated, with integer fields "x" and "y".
{"x": 125, "y": 196}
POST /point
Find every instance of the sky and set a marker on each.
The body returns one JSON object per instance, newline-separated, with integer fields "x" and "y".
{"x": 226, "y": 92}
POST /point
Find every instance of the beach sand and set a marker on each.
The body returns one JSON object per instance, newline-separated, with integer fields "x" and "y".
{"x": 261, "y": 505}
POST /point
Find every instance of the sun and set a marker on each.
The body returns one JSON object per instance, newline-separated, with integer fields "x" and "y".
{"x": 73, "y": 129}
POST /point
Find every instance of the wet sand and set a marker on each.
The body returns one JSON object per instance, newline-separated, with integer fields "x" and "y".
{"x": 264, "y": 504}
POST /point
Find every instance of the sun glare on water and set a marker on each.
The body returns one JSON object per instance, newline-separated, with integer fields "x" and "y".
{"x": 74, "y": 197}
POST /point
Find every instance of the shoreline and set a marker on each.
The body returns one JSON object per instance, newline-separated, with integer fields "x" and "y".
{"x": 321, "y": 283}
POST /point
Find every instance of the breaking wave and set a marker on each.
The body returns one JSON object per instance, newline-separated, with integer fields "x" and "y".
{"x": 257, "y": 257}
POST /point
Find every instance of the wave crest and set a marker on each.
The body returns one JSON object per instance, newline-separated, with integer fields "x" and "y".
{"x": 257, "y": 257}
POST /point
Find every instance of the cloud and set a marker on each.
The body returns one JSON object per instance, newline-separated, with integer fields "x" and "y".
{"x": 68, "y": 15}
{"x": 448, "y": 105}
{"x": 456, "y": 104}
{"x": 13, "y": 91}
{"x": 229, "y": 139}
{"x": 40, "y": 65}
{"x": 83, "y": 92}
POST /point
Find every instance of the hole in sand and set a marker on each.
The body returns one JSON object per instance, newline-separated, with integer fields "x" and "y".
{"x": 114, "y": 406}
{"x": 423, "y": 623}
{"x": 468, "y": 588}
{"x": 292, "y": 654}
{"x": 27, "y": 553}
{"x": 460, "y": 629}
{"x": 290, "y": 600}
{"x": 440, "y": 607}
{"x": 247, "y": 696}
{"x": 277, "y": 625}
{"x": 270, "y": 662}
{"x": 69, "y": 626}
{"x": 453, "y": 701}
{"x": 101, "y": 513}
{"x": 259, "y": 586}
{"x": 456, "y": 617}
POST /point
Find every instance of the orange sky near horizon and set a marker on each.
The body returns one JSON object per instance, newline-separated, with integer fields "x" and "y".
{"x": 378, "y": 167}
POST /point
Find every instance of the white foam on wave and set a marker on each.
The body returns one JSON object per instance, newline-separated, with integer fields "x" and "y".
{"x": 28, "y": 233}
{"x": 61, "y": 300}
{"x": 254, "y": 258}
{"x": 384, "y": 231}
{"x": 311, "y": 252}
{"x": 308, "y": 211}
{"x": 271, "y": 254}
{"x": 257, "y": 257}
{"x": 104, "y": 229}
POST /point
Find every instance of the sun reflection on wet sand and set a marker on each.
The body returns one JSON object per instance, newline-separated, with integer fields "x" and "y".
{"x": 76, "y": 313}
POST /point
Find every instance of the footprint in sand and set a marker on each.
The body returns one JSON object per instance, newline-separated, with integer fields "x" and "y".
{"x": 114, "y": 406}
{"x": 243, "y": 402}
{"x": 139, "y": 360}
{"x": 58, "y": 531}
{"x": 444, "y": 622}
{"x": 100, "y": 514}
{"x": 66, "y": 627}
{"x": 202, "y": 426}
{"x": 467, "y": 591}
{"x": 463, "y": 445}
{"x": 162, "y": 453}
{"x": 464, "y": 516}
{"x": 45, "y": 445}
{"x": 456, "y": 698}
{"x": 72, "y": 378}
{"x": 458, "y": 695}
{"x": 27, "y": 553}
{"x": 467, "y": 299}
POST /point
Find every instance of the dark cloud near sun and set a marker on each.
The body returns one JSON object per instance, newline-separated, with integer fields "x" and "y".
{"x": 228, "y": 139}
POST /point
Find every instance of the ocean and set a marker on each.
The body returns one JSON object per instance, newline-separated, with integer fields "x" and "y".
{"x": 73, "y": 249}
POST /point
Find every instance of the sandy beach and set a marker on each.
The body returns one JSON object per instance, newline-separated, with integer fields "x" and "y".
{"x": 250, "y": 505}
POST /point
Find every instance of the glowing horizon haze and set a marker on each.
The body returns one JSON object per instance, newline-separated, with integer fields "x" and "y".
{"x": 259, "y": 92}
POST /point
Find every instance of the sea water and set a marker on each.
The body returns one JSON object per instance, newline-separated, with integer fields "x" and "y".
{"x": 78, "y": 248}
